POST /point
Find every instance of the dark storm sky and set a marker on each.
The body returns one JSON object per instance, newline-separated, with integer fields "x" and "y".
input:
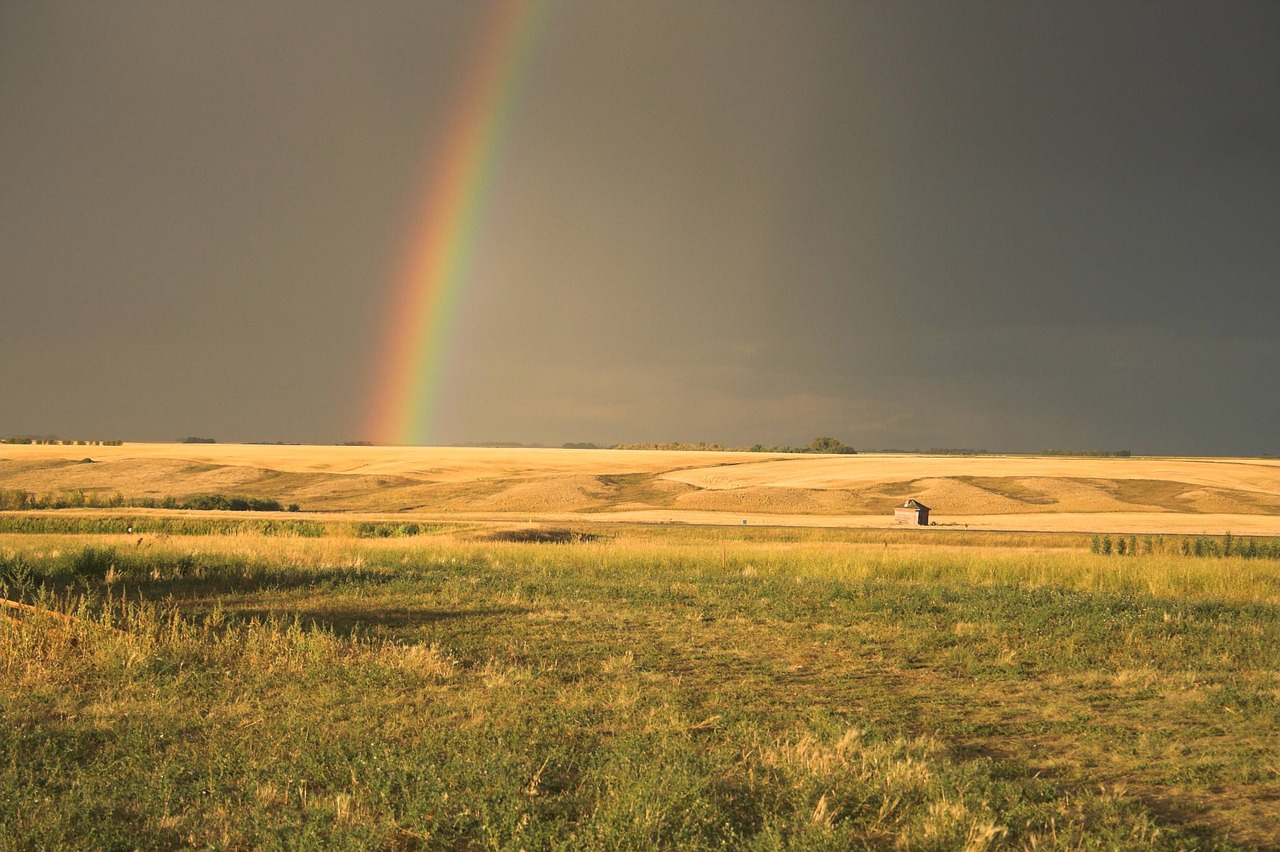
{"x": 1010, "y": 226}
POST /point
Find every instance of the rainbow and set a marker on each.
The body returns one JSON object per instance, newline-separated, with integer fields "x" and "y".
{"x": 437, "y": 262}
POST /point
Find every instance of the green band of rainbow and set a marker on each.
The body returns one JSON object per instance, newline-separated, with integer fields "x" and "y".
{"x": 439, "y": 258}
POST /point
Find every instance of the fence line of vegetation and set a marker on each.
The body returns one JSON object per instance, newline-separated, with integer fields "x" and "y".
{"x": 198, "y": 526}
{"x": 1248, "y": 547}
{"x": 17, "y": 499}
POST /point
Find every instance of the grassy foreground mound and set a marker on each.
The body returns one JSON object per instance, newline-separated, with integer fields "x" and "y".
{"x": 675, "y": 688}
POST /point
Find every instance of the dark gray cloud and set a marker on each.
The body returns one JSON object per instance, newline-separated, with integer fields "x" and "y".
{"x": 1002, "y": 225}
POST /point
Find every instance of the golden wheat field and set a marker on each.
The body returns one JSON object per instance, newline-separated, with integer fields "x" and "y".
{"x": 1052, "y": 493}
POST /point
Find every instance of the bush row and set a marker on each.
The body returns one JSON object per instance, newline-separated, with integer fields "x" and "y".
{"x": 126, "y": 524}
{"x": 1201, "y": 545}
{"x": 152, "y": 525}
{"x": 16, "y": 500}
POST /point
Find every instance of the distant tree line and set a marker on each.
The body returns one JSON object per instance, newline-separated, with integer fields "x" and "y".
{"x": 817, "y": 445}
{"x": 65, "y": 442}
{"x": 1201, "y": 545}
{"x": 199, "y": 440}
{"x": 119, "y": 524}
{"x": 936, "y": 451}
{"x": 965, "y": 451}
{"x": 701, "y": 446}
{"x": 16, "y": 499}
{"x": 221, "y": 502}
{"x": 1093, "y": 454}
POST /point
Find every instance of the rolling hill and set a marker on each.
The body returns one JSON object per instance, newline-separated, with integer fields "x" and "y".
{"x": 1140, "y": 494}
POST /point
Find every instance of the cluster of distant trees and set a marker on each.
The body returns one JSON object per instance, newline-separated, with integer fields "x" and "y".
{"x": 65, "y": 442}
{"x": 199, "y": 440}
{"x": 935, "y": 451}
{"x": 1201, "y": 545}
{"x": 1097, "y": 454}
{"x": 16, "y": 499}
{"x": 221, "y": 502}
{"x": 817, "y": 445}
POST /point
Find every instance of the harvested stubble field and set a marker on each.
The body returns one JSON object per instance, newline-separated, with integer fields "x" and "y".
{"x": 459, "y": 649}
{"x": 1129, "y": 495}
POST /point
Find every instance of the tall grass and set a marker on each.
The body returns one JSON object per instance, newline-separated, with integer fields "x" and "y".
{"x": 631, "y": 691}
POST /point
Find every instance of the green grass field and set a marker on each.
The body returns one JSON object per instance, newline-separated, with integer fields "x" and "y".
{"x": 335, "y": 687}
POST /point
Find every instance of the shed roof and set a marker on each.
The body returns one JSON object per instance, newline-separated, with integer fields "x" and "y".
{"x": 914, "y": 504}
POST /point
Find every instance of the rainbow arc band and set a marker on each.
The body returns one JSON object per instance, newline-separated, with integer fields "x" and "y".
{"x": 438, "y": 260}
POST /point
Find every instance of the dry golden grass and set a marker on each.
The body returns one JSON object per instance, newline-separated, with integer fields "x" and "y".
{"x": 1181, "y": 495}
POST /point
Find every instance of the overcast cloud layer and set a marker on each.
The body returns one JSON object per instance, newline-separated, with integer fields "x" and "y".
{"x": 995, "y": 225}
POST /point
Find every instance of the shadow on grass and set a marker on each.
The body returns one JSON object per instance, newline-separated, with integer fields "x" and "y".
{"x": 196, "y": 587}
{"x": 540, "y": 535}
{"x": 1190, "y": 814}
{"x": 345, "y": 622}
{"x": 191, "y": 577}
{"x": 210, "y": 583}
